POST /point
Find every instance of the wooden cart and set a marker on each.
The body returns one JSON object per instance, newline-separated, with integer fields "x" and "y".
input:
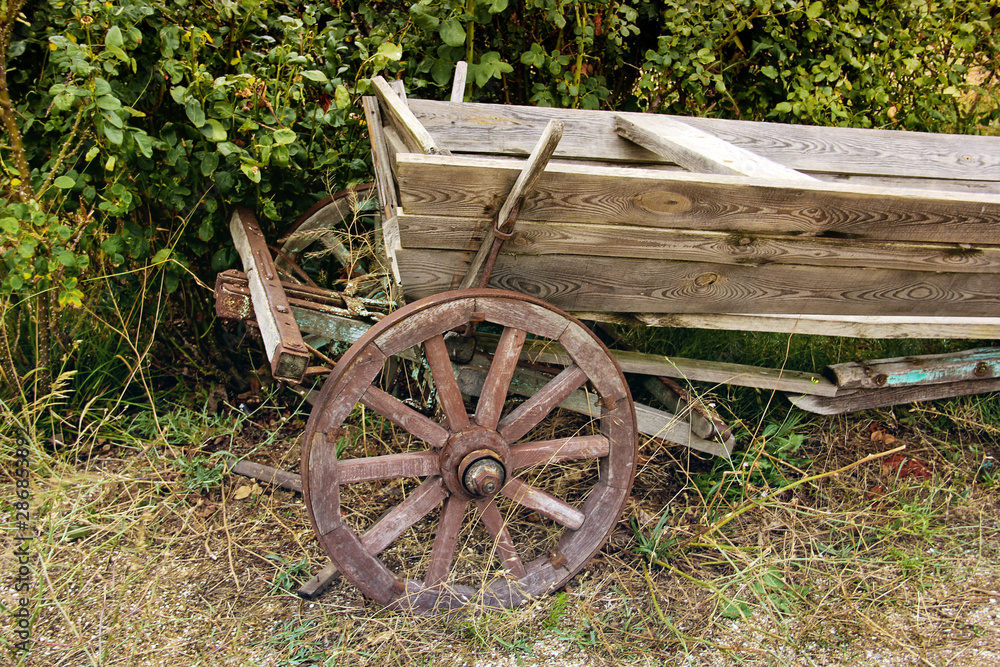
{"x": 500, "y": 221}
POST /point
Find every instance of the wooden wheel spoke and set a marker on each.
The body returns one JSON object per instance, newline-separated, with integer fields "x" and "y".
{"x": 544, "y": 503}
{"x": 502, "y": 541}
{"x": 535, "y": 409}
{"x": 543, "y": 452}
{"x": 390, "y": 466}
{"x": 395, "y": 522}
{"x": 445, "y": 541}
{"x": 405, "y": 417}
{"x": 498, "y": 378}
{"x": 447, "y": 386}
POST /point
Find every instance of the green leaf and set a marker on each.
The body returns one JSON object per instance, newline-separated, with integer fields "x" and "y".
{"x": 144, "y": 142}
{"x": 209, "y": 163}
{"x": 65, "y": 182}
{"x": 452, "y": 32}
{"x": 341, "y": 97}
{"x": 815, "y": 10}
{"x": 769, "y": 72}
{"x": 783, "y": 107}
{"x": 213, "y": 130}
{"x": 424, "y": 19}
{"x": 92, "y": 153}
{"x": 109, "y": 102}
{"x": 252, "y": 172}
{"x": 315, "y": 75}
{"x": 66, "y": 258}
{"x": 284, "y": 136}
{"x": 113, "y": 38}
{"x": 161, "y": 255}
{"x": 114, "y": 134}
{"x": 101, "y": 87}
{"x": 192, "y": 107}
{"x": 205, "y": 230}
{"x": 110, "y": 164}
{"x": 391, "y": 50}
{"x": 497, "y": 6}
{"x": 9, "y": 225}
{"x": 178, "y": 93}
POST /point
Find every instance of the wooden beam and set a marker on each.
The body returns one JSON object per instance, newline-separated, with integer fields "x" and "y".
{"x": 595, "y": 284}
{"x": 866, "y": 399}
{"x": 865, "y": 326}
{"x": 262, "y": 473}
{"x": 458, "y": 84}
{"x": 282, "y": 339}
{"x": 576, "y": 193}
{"x": 699, "y": 150}
{"x": 510, "y": 130}
{"x": 604, "y": 240}
{"x": 522, "y": 187}
{"x": 414, "y": 134}
{"x": 978, "y": 364}
{"x": 384, "y": 180}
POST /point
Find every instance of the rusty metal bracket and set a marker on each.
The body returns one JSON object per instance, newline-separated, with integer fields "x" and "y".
{"x": 282, "y": 340}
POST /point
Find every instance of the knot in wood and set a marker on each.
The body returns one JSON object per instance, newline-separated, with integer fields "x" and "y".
{"x": 706, "y": 279}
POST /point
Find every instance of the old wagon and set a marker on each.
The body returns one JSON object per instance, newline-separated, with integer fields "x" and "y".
{"x": 506, "y": 227}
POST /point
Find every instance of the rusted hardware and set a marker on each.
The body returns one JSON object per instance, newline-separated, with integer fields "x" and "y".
{"x": 232, "y": 299}
{"x": 484, "y": 477}
{"x": 502, "y": 231}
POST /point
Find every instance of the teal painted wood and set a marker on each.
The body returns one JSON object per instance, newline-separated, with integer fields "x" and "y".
{"x": 976, "y": 364}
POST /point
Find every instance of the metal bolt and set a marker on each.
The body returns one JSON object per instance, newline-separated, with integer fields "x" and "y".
{"x": 282, "y": 309}
{"x": 880, "y": 380}
{"x": 982, "y": 368}
{"x": 484, "y": 477}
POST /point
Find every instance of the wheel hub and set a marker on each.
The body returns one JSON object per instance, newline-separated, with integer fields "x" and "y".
{"x": 474, "y": 462}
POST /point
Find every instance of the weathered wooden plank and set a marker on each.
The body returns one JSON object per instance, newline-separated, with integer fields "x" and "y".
{"x": 413, "y": 133}
{"x": 527, "y": 415}
{"x": 652, "y": 422}
{"x": 603, "y": 240}
{"x": 861, "y": 326}
{"x": 445, "y": 540}
{"x": 699, "y": 150}
{"x": 470, "y": 187}
{"x": 478, "y": 128}
{"x": 695, "y": 370}
{"x": 315, "y": 587}
{"x": 596, "y": 284}
{"x": 384, "y": 180}
{"x": 396, "y": 521}
{"x": 458, "y": 83}
{"x": 523, "y": 185}
{"x": 494, "y": 393}
{"x": 544, "y": 503}
{"x": 546, "y": 452}
{"x": 282, "y": 339}
{"x": 405, "y": 417}
{"x": 263, "y": 473}
{"x": 502, "y": 542}
{"x": 389, "y": 466}
{"x": 865, "y": 399}
{"x": 978, "y": 364}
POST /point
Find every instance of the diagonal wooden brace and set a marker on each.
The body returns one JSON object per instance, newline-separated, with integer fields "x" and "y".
{"x": 503, "y": 225}
{"x": 282, "y": 340}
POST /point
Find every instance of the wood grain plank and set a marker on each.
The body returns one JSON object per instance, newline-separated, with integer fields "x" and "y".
{"x": 865, "y": 399}
{"x": 978, "y": 364}
{"x": 405, "y": 417}
{"x": 413, "y": 133}
{"x": 384, "y": 180}
{"x": 591, "y": 134}
{"x": 494, "y": 394}
{"x": 417, "y": 505}
{"x": 471, "y": 187}
{"x": 544, "y": 452}
{"x": 544, "y": 503}
{"x": 450, "y": 396}
{"x": 604, "y": 240}
{"x": 696, "y": 370}
{"x": 596, "y": 284}
{"x": 697, "y": 149}
{"x": 389, "y": 466}
{"x": 862, "y": 326}
{"x": 445, "y": 540}
{"x": 530, "y": 413}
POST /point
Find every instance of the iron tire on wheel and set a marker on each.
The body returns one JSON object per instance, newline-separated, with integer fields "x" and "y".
{"x": 478, "y": 470}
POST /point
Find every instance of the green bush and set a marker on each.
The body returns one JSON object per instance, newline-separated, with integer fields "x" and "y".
{"x": 134, "y": 126}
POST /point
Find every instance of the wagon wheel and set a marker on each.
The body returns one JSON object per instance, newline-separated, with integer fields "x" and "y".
{"x": 315, "y": 242}
{"x": 517, "y": 512}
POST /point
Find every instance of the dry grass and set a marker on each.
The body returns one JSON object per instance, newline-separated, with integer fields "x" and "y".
{"x": 877, "y": 564}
